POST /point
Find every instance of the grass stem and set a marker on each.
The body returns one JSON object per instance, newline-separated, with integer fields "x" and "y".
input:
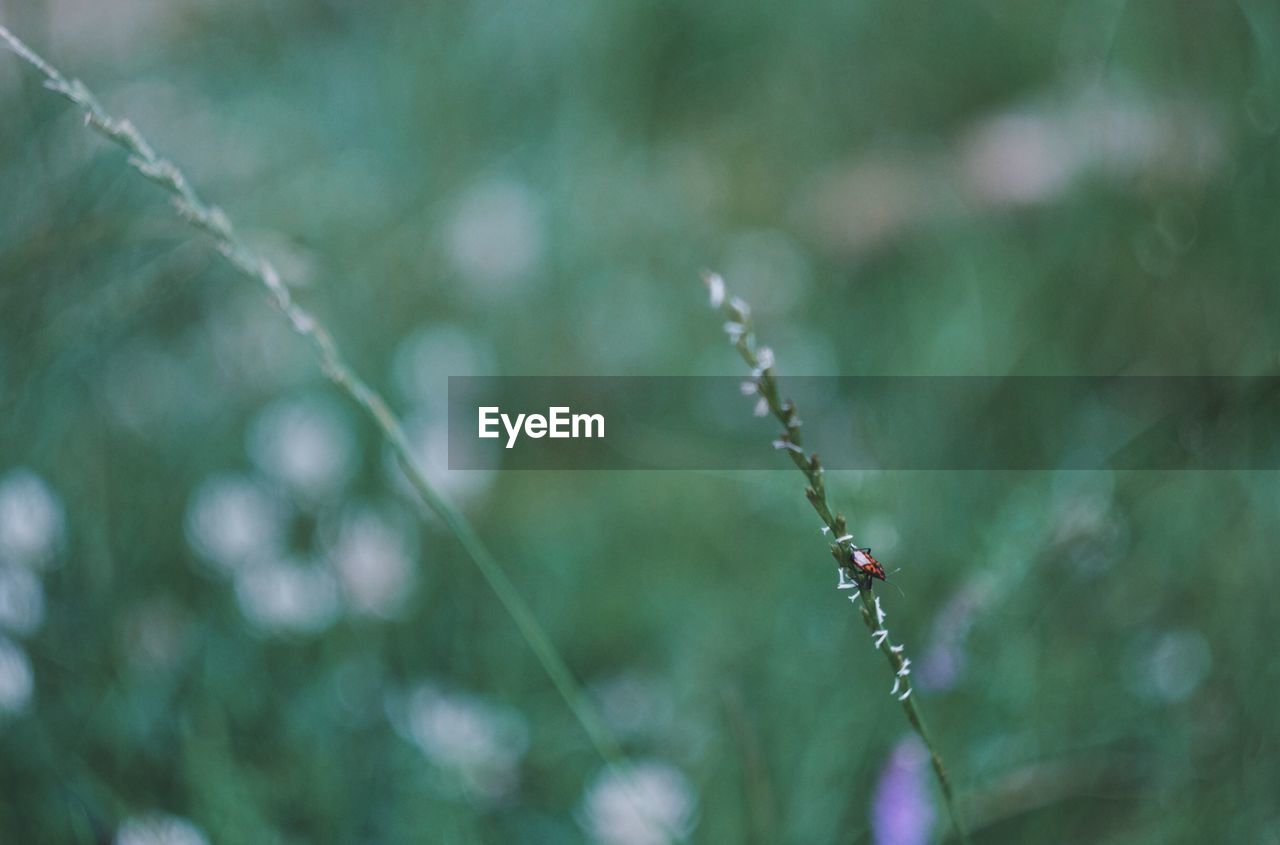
{"x": 764, "y": 384}
{"x": 211, "y": 220}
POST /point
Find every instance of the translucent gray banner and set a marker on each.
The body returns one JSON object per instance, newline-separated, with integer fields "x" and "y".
{"x": 868, "y": 422}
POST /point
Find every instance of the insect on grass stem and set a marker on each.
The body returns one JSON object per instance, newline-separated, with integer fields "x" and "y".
{"x": 855, "y": 569}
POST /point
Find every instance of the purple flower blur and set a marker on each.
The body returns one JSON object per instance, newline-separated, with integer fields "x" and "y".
{"x": 902, "y": 810}
{"x": 944, "y": 660}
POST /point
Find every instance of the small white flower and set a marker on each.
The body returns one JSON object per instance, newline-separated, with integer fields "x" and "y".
{"x": 897, "y": 682}
{"x": 307, "y": 443}
{"x": 879, "y": 613}
{"x": 17, "y": 681}
{"x": 496, "y": 238}
{"x": 32, "y": 521}
{"x": 906, "y": 668}
{"x": 648, "y": 803}
{"x": 826, "y": 529}
{"x": 749, "y": 388}
{"x": 896, "y": 649}
{"x": 426, "y": 354}
{"x": 734, "y": 331}
{"x": 844, "y": 538}
{"x": 879, "y": 636}
{"x": 741, "y": 308}
{"x": 232, "y": 518}
{"x": 845, "y": 582}
{"x": 762, "y": 407}
{"x": 287, "y": 596}
{"x": 787, "y": 444}
{"x": 905, "y": 695}
{"x": 374, "y": 560}
{"x": 21, "y": 600}
{"x": 764, "y": 358}
{"x": 1174, "y": 666}
{"x": 715, "y": 286}
{"x": 159, "y": 829}
{"x": 429, "y": 441}
{"x": 479, "y": 741}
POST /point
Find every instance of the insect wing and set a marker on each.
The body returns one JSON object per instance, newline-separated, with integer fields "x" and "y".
{"x": 863, "y": 560}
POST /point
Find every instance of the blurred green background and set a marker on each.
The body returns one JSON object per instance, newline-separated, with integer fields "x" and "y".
{"x": 223, "y": 621}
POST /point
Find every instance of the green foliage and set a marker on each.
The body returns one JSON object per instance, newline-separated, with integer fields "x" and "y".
{"x": 531, "y": 188}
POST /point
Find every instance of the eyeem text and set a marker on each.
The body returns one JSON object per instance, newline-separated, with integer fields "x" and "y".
{"x": 559, "y": 423}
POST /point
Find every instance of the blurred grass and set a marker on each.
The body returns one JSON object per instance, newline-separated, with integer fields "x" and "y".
{"x": 831, "y": 157}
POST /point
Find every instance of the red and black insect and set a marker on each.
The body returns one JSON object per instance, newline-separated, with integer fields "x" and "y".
{"x": 861, "y": 563}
